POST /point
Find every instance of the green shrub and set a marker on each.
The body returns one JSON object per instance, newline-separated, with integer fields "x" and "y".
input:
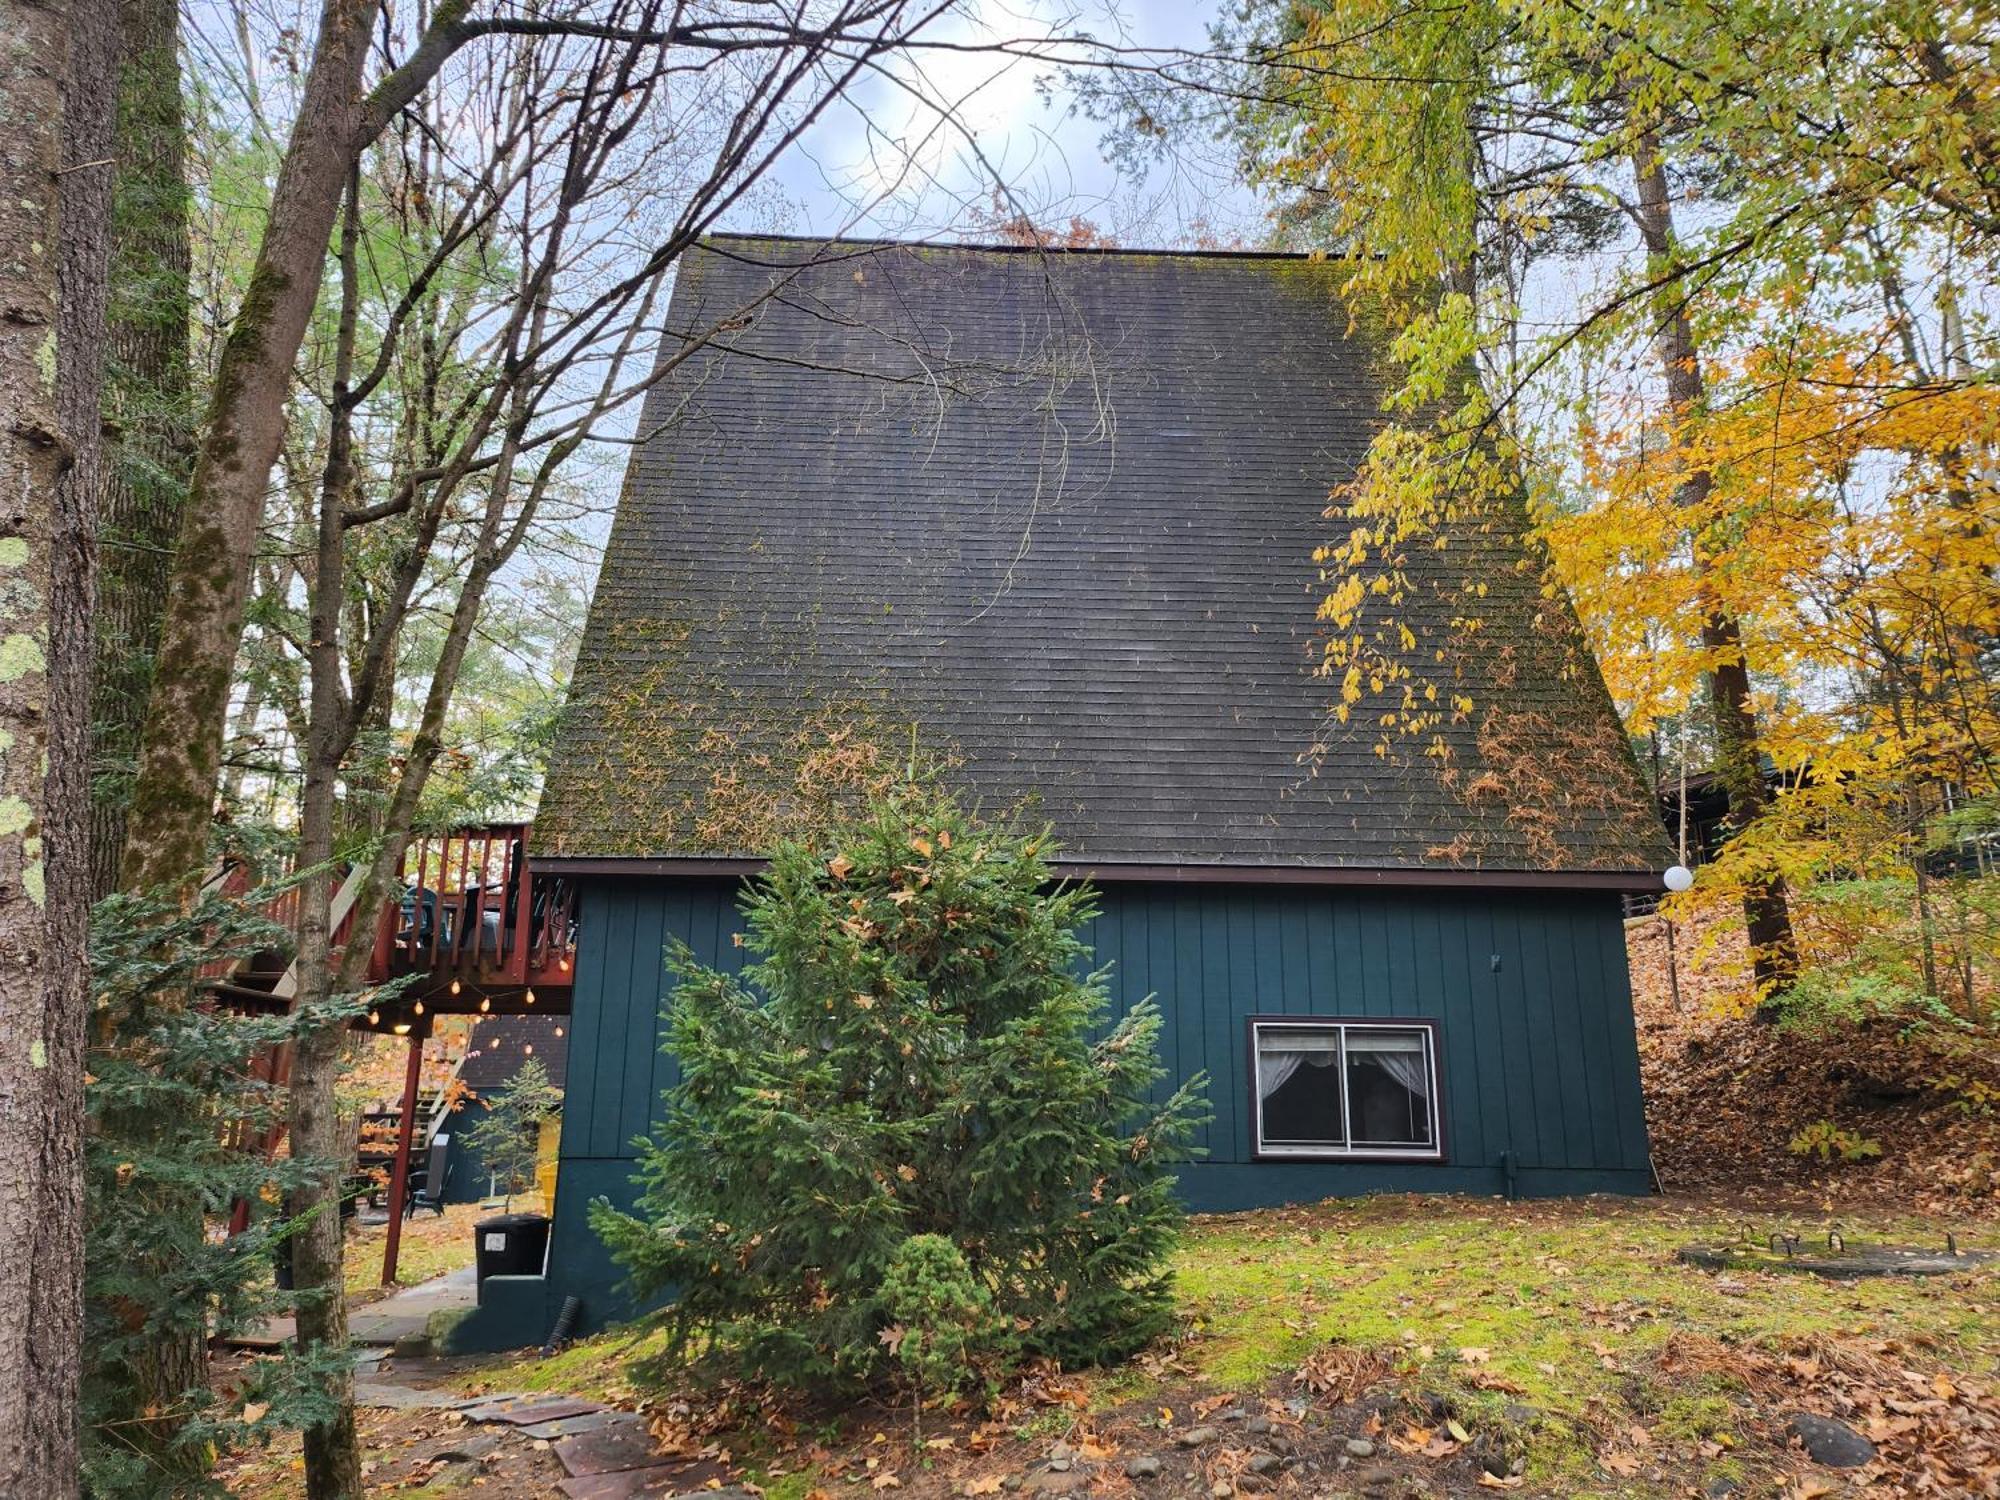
{"x": 943, "y": 1329}
{"x": 913, "y": 1057}
{"x": 1828, "y": 1140}
{"x": 168, "y": 1088}
{"x": 1969, "y": 1096}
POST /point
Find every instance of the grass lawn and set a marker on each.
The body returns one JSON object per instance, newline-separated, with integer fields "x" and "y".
{"x": 1564, "y": 1332}
{"x": 1579, "y": 1310}
{"x": 1581, "y": 1286}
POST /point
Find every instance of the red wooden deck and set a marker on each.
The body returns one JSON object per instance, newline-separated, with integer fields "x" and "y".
{"x": 480, "y": 927}
{"x": 478, "y": 919}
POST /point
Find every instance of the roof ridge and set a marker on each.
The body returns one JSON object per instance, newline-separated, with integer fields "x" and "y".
{"x": 846, "y": 242}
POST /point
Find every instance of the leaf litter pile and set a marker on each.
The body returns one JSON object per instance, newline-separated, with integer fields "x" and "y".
{"x": 1726, "y": 1096}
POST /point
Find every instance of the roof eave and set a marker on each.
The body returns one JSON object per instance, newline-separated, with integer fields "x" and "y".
{"x": 1105, "y": 872}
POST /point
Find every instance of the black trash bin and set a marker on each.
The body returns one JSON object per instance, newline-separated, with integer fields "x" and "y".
{"x": 511, "y": 1244}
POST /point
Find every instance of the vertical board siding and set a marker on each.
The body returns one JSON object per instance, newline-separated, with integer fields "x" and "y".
{"x": 1531, "y": 993}
{"x": 618, "y": 1071}
{"x": 1537, "y": 1055}
{"x": 1537, "y": 1058}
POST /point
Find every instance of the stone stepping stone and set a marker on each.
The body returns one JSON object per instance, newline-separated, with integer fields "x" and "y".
{"x": 524, "y": 1411}
{"x": 1829, "y": 1442}
{"x": 386, "y": 1396}
{"x": 562, "y": 1427}
{"x": 273, "y": 1333}
{"x": 626, "y": 1484}
{"x": 624, "y": 1444}
{"x": 633, "y": 1484}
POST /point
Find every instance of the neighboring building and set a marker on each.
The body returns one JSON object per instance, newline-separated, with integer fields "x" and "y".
{"x": 494, "y": 1053}
{"x": 1052, "y": 516}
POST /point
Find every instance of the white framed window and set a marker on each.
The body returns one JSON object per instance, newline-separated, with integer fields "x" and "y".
{"x": 1344, "y": 1088}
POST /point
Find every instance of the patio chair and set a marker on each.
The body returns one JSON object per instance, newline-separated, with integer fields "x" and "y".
{"x": 429, "y": 1193}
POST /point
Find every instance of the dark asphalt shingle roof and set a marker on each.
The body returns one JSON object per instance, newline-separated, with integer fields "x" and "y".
{"x": 498, "y": 1046}
{"x": 1058, "y": 511}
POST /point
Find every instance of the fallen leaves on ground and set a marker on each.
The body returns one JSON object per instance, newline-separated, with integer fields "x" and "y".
{"x": 1726, "y": 1093}
{"x": 1341, "y": 1372}
{"x": 1934, "y": 1434}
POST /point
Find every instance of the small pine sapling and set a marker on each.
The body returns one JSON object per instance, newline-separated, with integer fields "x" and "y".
{"x": 919, "y": 1050}
{"x": 507, "y": 1136}
{"x": 942, "y": 1327}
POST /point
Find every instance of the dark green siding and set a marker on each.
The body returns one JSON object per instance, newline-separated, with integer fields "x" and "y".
{"x": 1537, "y": 1055}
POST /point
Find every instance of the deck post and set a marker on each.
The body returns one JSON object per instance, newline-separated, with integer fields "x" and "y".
{"x": 524, "y": 903}
{"x": 399, "y": 1173}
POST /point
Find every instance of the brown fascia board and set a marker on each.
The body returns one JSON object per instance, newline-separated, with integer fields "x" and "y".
{"x": 1106, "y": 872}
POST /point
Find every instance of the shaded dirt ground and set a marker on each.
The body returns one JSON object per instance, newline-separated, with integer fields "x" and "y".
{"x": 1387, "y": 1347}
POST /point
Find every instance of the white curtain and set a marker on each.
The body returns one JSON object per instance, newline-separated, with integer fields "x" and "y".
{"x": 1399, "y": 1054}
{"x": 1281, "y": 1054}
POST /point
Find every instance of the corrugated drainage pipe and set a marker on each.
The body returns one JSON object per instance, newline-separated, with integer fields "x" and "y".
{"x": 565, "y": 1325}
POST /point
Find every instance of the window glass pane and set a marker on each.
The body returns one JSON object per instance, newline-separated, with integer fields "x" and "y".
{"x": 1389, "y": 1087}
{"x": 1298, "y": 1087}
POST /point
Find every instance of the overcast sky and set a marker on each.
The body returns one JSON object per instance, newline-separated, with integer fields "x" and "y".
{"x": 887, "y": 163}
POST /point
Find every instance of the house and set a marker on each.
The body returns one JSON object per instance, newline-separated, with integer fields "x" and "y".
{"x": 1049, "y": 518}
{"x": 495, "y": 1050}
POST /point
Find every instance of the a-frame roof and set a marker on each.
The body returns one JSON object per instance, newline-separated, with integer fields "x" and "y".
{"x": 1052, "y": 516}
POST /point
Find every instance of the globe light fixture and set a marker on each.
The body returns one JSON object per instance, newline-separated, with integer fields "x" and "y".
{"x": 1679, "y": 878}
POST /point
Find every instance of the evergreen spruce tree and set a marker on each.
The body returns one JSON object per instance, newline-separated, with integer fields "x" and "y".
{"x": 172, "y": 1092}
{"x": 914, "y": 1052}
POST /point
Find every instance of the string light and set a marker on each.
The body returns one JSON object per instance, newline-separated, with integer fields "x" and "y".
{"x": 528, "y": 1049}
{"x": 420, "y": 1007}
{"x": 374, "y": 1018}
{"x": 454, "y": 986}
{"x": 530, "y": 997}
{"x": 402, "y": 1028}
{"x": 563, "y": 964}
{"x": 485, "y": 1005}
{"x": 559, "y": 1031}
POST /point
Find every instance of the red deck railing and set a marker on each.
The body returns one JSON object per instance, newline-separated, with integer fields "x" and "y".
{"x": 471, "y": 908}
{"x": 472, "y": 913}
{"x": 474, "y": 908}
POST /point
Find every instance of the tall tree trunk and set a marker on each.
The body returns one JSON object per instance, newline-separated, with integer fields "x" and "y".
{"x": 33, "y": 457}
{"x": 332, "y": 1449}
{"x": 241, "y": 433}
{"x": 1766, "y": 910}
{"x": 57, "y": 65}
{"x": 369, "y": 767}
{"x": 149, "y": 408}
{"x": 149, "y": 404}
{"x": 57, "y": 1251}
